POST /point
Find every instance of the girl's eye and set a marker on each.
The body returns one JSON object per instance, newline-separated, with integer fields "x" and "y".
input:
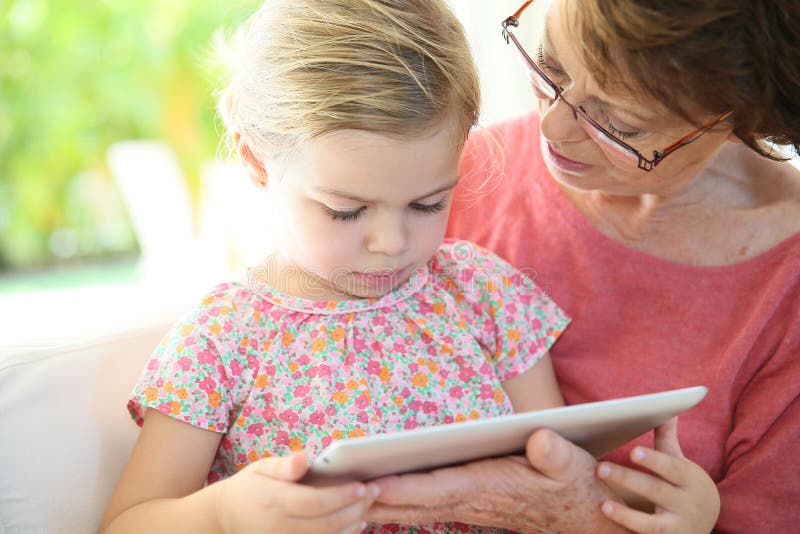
{"x": 345, "y": 216}
{"x": 429, "y": 208}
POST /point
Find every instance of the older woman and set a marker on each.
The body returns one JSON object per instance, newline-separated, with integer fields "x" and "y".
{"x": 649, "y": 197}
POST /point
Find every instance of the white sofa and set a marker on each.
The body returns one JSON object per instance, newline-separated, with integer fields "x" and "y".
{"x": 64, "y": 430}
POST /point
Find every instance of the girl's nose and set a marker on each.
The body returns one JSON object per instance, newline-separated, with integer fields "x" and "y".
{"x": 389, "y": 236}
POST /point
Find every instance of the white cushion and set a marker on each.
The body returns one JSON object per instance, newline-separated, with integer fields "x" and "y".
{"x": 65, "y": 434}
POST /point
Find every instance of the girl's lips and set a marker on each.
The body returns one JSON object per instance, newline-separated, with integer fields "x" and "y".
{"x": 379, "y": 277}
{"x": 565, "y": 163}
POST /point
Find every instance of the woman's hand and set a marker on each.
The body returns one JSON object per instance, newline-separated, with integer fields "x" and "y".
{"x": 265, "y": 497}
{"x": 686, "y": 499}
{"x": 553, "y": 489}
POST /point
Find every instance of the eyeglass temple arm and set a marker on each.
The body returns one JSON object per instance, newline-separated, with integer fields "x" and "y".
{"x": 692, "y": 136}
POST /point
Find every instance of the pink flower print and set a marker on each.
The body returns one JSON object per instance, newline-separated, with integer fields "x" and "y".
{"x": 203, "y": 319}
{"x": 330, "y": 410}
{"x": 184, "y": 363}
{"x": 208, "y": 384}
{"x": 226, "y": 445}
{"x": 359, "y": 345}
{"x": 311, "y": 372}
{"x": 373, "y": 367}
{"x": 317, "y": 418}
{"x": 301, "y": 390}
{"x": 379, "y": 320}
{"x": 536, "y": 324}
{"x": 409, "y": 341}
{"x": 425, "y": 308}
{"x": 254, "y": 345}
{"x": 399, "y": 347}
{"x": 456, "y": 392}
{"x": 247, "y": 410}
{"x": 362, "y": 417}
{"x": 448, "y": 419}
{"x": 270, "y": 370}
{"x": 350, "y": 359}
{"x": 289, "y": 416}
{"x": 466, "y": 374}
{"x": 304, "y": 360}
{"x": 190, "y": 341}
{"x": 160, "y": 383}
{"x": 205, "y": 357}
{"x": 410, "y": 424}
{"x": 406, "y": 393}
{"x": 413, "y": 367}
{"x": 362, "y": 402}
{"x": 487, "y": 391}
{"x": 153, "y": 365}
{"x": 236, "y": 368}
{"x": 228, "y": 327}
{"x": 256, "y": 429}
{"x": 377, "y": 347}
{"x": 252, "y": 362}
{"x": 241, "y": 457}
{"x": 281, "y": 438}
{"x": 486, "y": 369}
{"x": 268, "y": 413}
{"x": 429, "y": 407}
{"x": 326, "y": 440}
{"x": 414, "y": 405}
{"x": 308, "y": 401}
{"x": 324, "y": 371}
{"x": 165, "y": 408}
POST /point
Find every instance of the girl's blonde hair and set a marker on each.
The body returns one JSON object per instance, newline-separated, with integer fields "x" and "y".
{"x": 300, "y": 69}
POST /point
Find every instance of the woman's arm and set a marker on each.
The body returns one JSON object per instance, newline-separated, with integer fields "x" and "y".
{"x": 554, "y": 489}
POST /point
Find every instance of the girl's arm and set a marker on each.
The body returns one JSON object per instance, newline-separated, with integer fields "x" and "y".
{"x": 162, "y": 489}
{"x": 535, "y": 389}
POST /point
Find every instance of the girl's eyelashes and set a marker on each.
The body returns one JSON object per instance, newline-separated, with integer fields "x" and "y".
{"x": 346, "y": 216}
{"x": 352, "y": 215}
{"x": 429, "y": 208}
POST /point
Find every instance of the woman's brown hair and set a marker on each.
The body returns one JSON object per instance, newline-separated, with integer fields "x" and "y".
{"x": 715, "y": 55}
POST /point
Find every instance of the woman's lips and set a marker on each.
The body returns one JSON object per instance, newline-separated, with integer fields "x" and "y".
{"x": 564, "y": 162}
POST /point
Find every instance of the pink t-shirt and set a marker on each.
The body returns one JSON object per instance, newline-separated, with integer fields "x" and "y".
{"x": 643, "y": 324}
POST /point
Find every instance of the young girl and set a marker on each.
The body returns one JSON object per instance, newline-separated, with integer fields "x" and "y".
{"x": 351, "y": 116}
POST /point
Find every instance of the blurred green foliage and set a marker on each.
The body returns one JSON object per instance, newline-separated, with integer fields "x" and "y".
{"x": 76, "y": 76}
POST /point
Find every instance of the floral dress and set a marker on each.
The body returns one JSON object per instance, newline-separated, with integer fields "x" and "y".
{"x": 276, "y": 373}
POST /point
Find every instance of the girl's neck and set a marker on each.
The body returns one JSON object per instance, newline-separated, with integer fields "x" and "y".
{"x": 289, "y": 279}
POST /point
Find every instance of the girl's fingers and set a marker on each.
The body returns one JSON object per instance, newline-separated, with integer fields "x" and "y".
{"x": 308, "y": 502}
{"x": 286, "y": 468}
{"x": 653, "y": 489}
{"x": 344, "y": 520}
{"x": 670, "y": 468}
{"x": 629, "y": 518}
{"x": 666, "y": 438}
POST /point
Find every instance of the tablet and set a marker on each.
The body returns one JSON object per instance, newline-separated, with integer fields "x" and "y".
{"x": 598, "y": 427}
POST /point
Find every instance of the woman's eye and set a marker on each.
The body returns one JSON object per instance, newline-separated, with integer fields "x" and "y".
{"x": 554, "y": 71}
{"x": 345, "y": 216}
{"x": 429, "y": 208}
{"x": 620, "y": 132}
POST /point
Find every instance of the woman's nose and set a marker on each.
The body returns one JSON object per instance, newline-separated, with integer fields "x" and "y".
{"x": 558, "y": 122}
{"x": 389, "y": 236}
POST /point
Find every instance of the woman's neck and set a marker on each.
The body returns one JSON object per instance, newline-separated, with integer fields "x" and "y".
{"x": 737, "y": 207}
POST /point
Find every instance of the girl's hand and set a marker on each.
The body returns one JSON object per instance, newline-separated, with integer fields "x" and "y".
{"x": 264, "y": 497}
{"x": 686, "y": 499}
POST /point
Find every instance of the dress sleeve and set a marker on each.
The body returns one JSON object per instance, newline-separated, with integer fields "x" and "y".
{"x": 760, "y": 485}
{"x": 512, "y": 318}
{"x": 186, "y": 376}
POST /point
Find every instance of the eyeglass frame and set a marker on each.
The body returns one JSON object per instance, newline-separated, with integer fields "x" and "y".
{"x": 643, "y": 163}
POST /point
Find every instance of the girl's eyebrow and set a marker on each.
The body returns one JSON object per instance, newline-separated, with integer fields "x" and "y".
{"x": 548, "y": 44}
{"x": 348, "y": 196}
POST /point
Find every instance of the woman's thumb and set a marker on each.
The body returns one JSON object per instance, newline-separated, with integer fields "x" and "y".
{"x": 287, "y": 468}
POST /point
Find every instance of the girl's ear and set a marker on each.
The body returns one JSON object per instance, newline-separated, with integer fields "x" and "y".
{"x": 255, "y": 167}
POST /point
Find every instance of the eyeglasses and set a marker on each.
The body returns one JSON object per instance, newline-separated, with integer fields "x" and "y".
{"x": 546, "y": 88}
